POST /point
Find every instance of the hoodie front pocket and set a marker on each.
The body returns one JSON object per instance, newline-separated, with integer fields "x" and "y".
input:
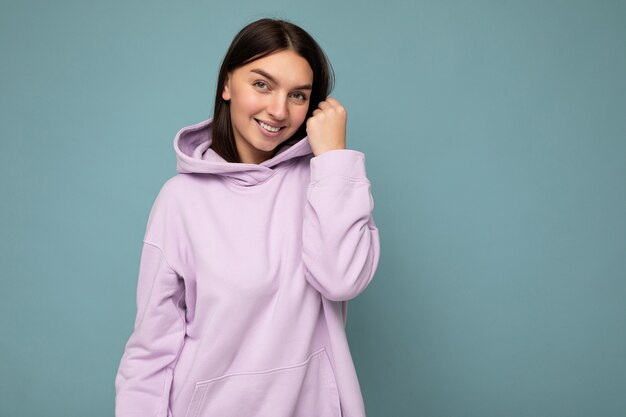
{"x": 305, "y": 389}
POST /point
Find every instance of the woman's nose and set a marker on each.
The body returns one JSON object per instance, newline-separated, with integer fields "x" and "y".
{"x": 277, "y": 107}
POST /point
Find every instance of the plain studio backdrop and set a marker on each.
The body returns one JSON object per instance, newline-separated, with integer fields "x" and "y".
{"x": 495, "y": 140}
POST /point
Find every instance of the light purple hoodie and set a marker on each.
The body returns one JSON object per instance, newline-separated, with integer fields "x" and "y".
{"x": 243, "y": 284}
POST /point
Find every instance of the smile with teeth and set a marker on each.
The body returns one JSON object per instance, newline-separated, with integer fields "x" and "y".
{"x": 268, "y": 127}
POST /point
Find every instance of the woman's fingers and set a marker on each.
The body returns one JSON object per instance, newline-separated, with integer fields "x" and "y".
{"x": 329, "y": 103}
{"x": 333, "y": 102}
{"x": 326, "y": 128}
{"x": 323, "y": 105}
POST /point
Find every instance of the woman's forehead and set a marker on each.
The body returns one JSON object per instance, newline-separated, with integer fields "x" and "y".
{"x": 284, "y": 66}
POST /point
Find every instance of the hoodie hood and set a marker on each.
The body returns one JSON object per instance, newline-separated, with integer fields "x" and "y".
{"x": 194, "y": 155}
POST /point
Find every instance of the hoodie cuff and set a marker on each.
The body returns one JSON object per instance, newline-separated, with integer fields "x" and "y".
{"x": 348, "y": 163}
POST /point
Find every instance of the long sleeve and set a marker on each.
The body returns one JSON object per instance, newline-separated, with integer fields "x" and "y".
{"x": 341, "y": 245}
{"x": 144, "y": 376}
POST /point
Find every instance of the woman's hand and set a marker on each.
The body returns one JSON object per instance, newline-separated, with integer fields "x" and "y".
{"x": 326, "y": 128}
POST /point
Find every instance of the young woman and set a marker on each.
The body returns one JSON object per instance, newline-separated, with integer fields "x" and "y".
{"x": 253, "y": 250}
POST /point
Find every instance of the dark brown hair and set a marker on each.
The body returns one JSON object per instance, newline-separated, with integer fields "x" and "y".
{"x": 257, "y": 40}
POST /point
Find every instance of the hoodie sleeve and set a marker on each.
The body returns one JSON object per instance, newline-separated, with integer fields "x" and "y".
{"x": 144, "y": 376}
{"x": 341, "y": 246}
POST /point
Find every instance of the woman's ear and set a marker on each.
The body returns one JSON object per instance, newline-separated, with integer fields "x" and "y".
{"x": 226, "y": 90}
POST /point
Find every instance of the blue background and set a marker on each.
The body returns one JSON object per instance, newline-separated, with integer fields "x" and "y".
{"x": 495, "y": 136}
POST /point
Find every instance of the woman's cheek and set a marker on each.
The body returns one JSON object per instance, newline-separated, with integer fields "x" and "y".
{"x": 253, "y": 103}
{"x": 301, "y": 114}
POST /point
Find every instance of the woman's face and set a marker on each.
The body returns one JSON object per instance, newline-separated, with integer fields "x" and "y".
{"x": 269, "y": 100}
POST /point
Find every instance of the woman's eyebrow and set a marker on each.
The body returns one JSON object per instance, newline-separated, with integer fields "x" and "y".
{"x": 273, "y": 80}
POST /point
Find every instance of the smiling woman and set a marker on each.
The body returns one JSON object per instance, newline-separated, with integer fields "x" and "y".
{"x": 269, "y": 100}
{"x": 253, "y": 43}
{"x": 253, "y": 250}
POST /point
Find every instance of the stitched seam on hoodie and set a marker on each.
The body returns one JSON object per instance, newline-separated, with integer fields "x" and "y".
{"x": 275, "y": 171}
{"x": 182, "y": 343}
{"x": 164, "y": 257}
{"x": 172, "y": 365}
{"x": 349, "y": 179}
{"x": 234, "y": 181}
{"x": 318, "y": 352}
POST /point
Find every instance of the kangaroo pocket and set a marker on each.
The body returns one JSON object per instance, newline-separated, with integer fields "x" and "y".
{"x": 305, "y": 389}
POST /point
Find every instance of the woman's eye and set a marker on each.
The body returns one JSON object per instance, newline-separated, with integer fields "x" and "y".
{"x": 260, "y": 85}
{"x": 299, "y": 96}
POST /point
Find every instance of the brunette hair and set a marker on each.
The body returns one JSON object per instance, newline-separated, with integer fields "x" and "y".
{"x": 257, "y": 40}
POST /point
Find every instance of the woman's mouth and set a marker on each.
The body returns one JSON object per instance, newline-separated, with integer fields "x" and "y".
{"x": 269, "y": 128}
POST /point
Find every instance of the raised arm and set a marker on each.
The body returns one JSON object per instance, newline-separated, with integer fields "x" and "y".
{"x": 341, "y": 245}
